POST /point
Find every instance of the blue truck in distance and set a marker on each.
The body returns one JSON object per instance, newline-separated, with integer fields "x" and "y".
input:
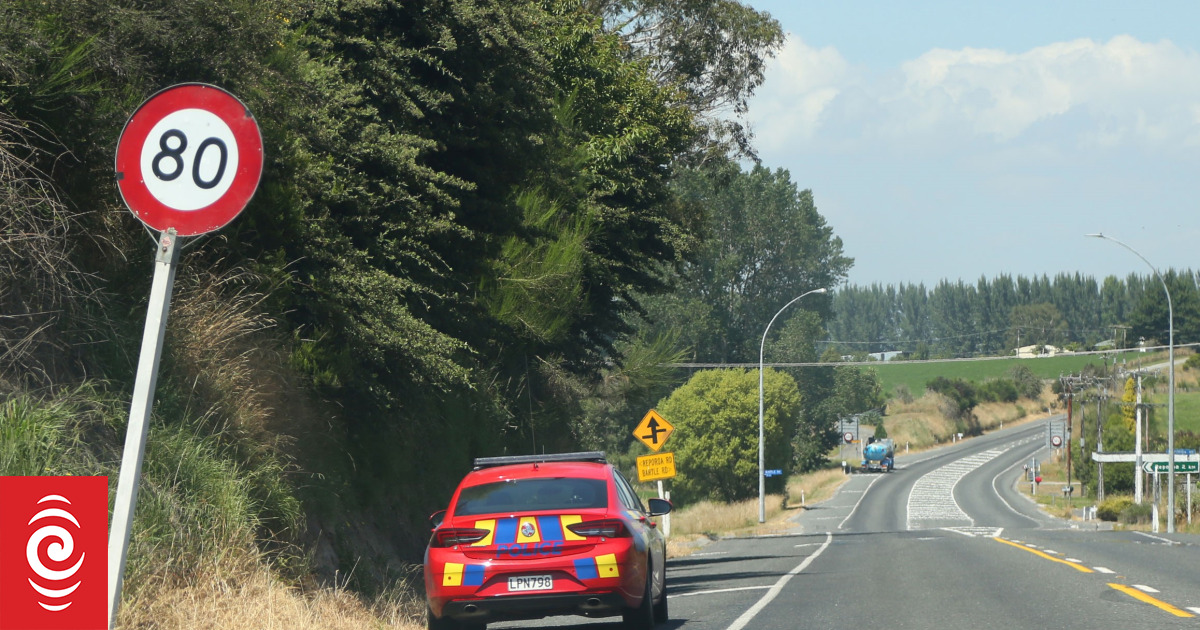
{"x": 878, "y": 455}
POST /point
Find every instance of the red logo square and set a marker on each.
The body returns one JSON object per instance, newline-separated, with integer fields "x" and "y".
{"x": 53, "y": 553}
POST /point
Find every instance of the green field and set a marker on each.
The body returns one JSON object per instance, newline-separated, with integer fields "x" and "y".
{"x": 915, "y": 375}
{"x": 1187, "y": 410}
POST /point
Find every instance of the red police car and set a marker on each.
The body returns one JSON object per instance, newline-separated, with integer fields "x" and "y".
{"x": 527, "y": 537}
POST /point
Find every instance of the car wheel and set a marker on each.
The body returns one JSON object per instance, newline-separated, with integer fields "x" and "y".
{"x": 642, "y": 617}
{"x": 660, "y": 608}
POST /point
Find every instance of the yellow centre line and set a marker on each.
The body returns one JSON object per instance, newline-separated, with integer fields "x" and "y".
{"x": 1136, "y": 594}
{"x": 1074, "y": 565}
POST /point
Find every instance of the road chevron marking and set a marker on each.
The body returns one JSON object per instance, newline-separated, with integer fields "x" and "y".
{"x": 1103, "y": 570}
{"x": 932, "y": 496}
{"x": 1146, "y": 589}
{"x": 1157, "y": 603}
{"x": 972, "y": 532}
{"x": 1195, "y": 609}
{"x": 1073, "y": 565}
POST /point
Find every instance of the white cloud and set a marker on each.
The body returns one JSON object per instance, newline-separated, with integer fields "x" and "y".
{"x": 801, "y": 83}
{"x": 1085, "y": 93}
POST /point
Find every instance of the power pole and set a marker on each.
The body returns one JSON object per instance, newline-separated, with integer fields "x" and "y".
{"x": 1100, "y": 442}
{"x": 1070, "y": 406}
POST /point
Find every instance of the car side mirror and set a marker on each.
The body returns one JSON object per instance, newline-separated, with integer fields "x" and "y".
{"x": 658, "y": 507}
{"x": 435, "y": 519}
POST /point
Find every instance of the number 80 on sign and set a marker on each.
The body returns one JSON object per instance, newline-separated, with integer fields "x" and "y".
{"x": 190, "y": 158}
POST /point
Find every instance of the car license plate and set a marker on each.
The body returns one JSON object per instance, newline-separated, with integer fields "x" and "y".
{"x": 531, "y": 583}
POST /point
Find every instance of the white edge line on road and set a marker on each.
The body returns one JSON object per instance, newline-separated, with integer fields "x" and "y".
{"x": 720, "y": 590}
{"x": 749, "y": 615}
{"x": 860, "y": 500}
{"x": 1005, "y": 501}
{"x": 706, "y": 553}
{"x": 1165, "y": 540}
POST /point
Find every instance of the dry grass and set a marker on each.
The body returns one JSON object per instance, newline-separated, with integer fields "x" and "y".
{"x": 919, "y": 424}
{"x": 711, "y": 519}
{"x": 697, "y": 523}
{"x": 261, "y": 601}
{"x": 814, "y": 487}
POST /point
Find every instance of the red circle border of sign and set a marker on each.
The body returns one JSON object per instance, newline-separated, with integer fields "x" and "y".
{"x": 219, "y": 213}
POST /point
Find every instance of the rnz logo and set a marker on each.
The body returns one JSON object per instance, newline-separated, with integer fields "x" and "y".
{"x": 53, "y": 553}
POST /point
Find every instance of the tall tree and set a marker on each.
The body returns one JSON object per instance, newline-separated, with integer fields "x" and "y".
{"x": 713, "y": 51}
{"x": 766, "y": 245}
{"x": 1149, "y": 318}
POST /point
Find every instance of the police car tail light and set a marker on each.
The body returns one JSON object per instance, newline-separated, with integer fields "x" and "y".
{"x": 450, "y": 536}
{"x": 608, "y": 528}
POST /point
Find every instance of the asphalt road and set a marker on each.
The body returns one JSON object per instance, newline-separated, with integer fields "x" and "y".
{"x": 944, "y": 541}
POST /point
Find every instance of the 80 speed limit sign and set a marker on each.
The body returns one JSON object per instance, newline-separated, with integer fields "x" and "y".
{"x": 189, "y": 158}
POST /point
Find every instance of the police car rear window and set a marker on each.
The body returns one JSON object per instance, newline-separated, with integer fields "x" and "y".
{"x": 527, "y": 495}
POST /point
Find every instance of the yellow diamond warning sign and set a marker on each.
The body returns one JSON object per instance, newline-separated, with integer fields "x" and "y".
{"x": 653, "y": 430}
{"x": 657, "y": 466}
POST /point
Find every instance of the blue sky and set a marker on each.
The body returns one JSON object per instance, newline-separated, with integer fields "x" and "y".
{"x": 954, "y": 140}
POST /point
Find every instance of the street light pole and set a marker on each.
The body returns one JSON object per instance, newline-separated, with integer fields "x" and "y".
{"x": 1171, "y": 386}
{"x": 762, "y": 483}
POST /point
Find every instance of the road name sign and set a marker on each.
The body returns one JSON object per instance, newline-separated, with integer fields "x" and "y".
{"x": 653, "y": 431}
{"x": 774, "y": 472}
{"x": 189, "y": 159}
{"x": 657, "y": 466}
{"x": 1162, "y": 467}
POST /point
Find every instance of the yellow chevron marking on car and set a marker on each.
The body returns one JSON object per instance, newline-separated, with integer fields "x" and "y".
{"x": 568, "y": 520}
{"x": 1136, "y": 594}
{"x": 1073, "y": 565}
{"x": 607, "y": 565}
{"x": 490, "y": 526}
{"x": 452, "y": 574}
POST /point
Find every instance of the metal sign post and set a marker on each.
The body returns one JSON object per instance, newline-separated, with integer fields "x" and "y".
{"x": 165, "y": 261}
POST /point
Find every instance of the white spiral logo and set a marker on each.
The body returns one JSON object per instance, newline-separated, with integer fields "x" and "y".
{"x": 59, "y": 551}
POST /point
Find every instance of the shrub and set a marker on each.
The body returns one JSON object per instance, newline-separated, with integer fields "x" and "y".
{"x": 1111, "y": 508}
{"x": 1193, "y": 362}
{"x": 1029, "y": 385}
{"x": 962, "y": 393}
{"x": 998, "y": 390}
{"x": 1136, "y": 514}
{"x": 902, "y": 393}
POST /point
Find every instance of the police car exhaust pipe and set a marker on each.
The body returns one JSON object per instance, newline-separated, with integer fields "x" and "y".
{"x": 593, "y": 601}
{"x": 470, "y": 608}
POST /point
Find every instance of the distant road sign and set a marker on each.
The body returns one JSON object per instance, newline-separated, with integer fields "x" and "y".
{"x": 1056, "y": 441}
{"x": 849, "y": 437}
{"x": 1162, "y": 467}
{"x": 774, "y": 472}
{"x": 653, "y": 430}
{"x": 190, "y": 158}
{"x": 657, "y": 466}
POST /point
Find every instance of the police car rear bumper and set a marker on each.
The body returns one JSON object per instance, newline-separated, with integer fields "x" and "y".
{"x": 535, "y": 606}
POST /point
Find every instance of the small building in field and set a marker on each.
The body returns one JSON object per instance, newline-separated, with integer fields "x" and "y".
{"x": 1037, "y": 351}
